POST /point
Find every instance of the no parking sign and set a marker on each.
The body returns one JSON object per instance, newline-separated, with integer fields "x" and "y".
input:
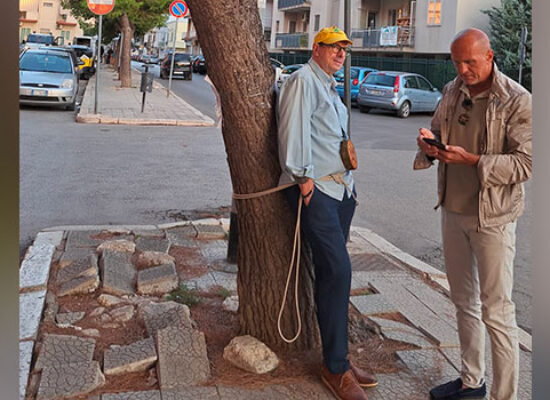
{"x": 179, "y": 8}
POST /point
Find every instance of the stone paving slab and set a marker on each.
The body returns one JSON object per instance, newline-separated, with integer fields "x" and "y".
{"x": 75, "y": 254}
{"x": 182, "y": 358}
{"x": 437, "y": 302}
{"x": 157, "y": 280}
{"x": 153, "y": 244}
{"x": 80, "y": 285}
{"x": 429, "y": 366}
{"x": 118, "y": 273}
{"x": 69, "y": 318}
{"x": 86, "y": 266}
{"x": 361, "y": 279}
{"x": 192, "y": 393}
{"x": 138, "y": 356}
{"x": 64, "y": 349}
{"x": 372, "y": 263}
{"x": 210, "y": 232}
{"x": 25, "y": 357}
{"x": 212, "y": 244}
{"x": 148, "y": 233}
{"x": 182, "y": 236}
{"x": 162, "y": 315}
{"x": 398, "y": 386}
{"x": 409, "y": 337}
{"x": 30, "y": 310}
{"x": 69, "y": 380}
{"x": 35, "y": 268}
{"x": 54, "y": 238}
{"x": 211, "y": 254}
{"x": 147, "y": 395}
{"x": 417, "y": 313}
{"x": 373, "y": 304}
{"x": 82, "y": 239}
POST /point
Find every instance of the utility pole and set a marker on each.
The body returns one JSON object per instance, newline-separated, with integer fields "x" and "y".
{"x": 522, "y": 45}
{"x": 347, "y": 64}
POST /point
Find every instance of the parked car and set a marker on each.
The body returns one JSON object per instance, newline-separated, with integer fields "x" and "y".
{"x": 286, "y": 72}
{"x": 86, "y": 56}
{"x": 199, "y": 64}
{"x": 47, "y": 77}
{"x": 277, "y": 67}
{"x": 403, "y": 92}
{"x": 36, "y": 40}
{"x": 182, "y": 66}
{"x": 70, "y": 52}
{"x": 357, "y": 76}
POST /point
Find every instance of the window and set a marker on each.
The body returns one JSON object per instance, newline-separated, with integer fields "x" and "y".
{"x": 47, "y": 4}
{"x": 434, "y": 12}
{"x": 392, "y": 17}
{"x": 317, "y": 20}
{"x": 277, "y": 27}
{"x": 292, "y": 27}
{"x": 22, "y": 15}
{"x": 24, "y": 33}
{"x": 424, "y": 84}
{"x": 410, "y": 83}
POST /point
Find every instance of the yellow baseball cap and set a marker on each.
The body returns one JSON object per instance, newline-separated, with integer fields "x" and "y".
{"x": 331, "y": 35}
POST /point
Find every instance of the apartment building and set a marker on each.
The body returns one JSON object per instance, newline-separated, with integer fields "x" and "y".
{"x": 49, "y": 17}
{"x": 378, "y": 27}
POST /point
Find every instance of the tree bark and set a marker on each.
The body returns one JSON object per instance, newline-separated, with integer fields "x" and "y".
{"x": 125, "y": 72}
{"x": 230, "y": 34}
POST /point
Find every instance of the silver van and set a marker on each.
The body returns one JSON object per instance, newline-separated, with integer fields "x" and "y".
{"x": 402, "y": 92}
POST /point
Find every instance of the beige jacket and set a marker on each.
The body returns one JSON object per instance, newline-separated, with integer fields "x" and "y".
{"x": 506, "y": 151}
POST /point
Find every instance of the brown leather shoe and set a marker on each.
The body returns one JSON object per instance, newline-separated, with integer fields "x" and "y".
{"x": 343, "y": 386}
{"x": 363, "y": 377}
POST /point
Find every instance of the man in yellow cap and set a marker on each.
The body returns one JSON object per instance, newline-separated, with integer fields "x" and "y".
{"x": 312, "y": 122}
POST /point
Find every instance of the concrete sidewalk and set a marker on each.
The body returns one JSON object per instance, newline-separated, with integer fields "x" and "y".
{"x": 60, "y": 335}
{"x": 118, "y": 105}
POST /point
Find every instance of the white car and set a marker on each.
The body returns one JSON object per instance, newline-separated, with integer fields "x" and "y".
{"x": 47, "y": 77}
{"x": 286, "y": 72}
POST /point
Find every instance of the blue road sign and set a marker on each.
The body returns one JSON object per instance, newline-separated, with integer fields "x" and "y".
{"x": 178, "y": 8}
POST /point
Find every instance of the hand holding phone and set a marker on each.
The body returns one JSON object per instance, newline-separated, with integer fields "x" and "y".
{"x": 434, "y": 142}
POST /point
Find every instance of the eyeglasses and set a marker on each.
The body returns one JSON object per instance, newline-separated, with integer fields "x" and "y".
{"x": 467, "y": 104}
{"x": 336, "y": 48}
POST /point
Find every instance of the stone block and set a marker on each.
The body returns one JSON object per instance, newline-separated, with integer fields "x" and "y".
{"x": 152, "y": 258}
{"x": 408, "y": 336}
{"x": 122, "y": 245}
{"x": 146, "y": 395}
{"x": 226, "y": 280}
{"x": 210, "y": 231}
{"x": 429, "y": 365}
{"x": 75, "y": 254}
{"x": 69, "y": 318}
{"x": 250, "y": 354}
{"x": 150, "y": 233}
{"x": 371, "y": 262}
{"x": 157, "y": 280}
{"x": 35, "y": 268}
{"x": 25, "y": 357}
{"x": 30, "y": 311}
{"x": 231, "y": 304}
{"x": 108, "y": 301}
{"x": 86, "y": 266}
{"x": 118, "y": 273}
{"x": 439, "y": 304}
{"x": 192, "y": 393}
{"x": 138, "y": 356}
{"x": 54, "y": 238}
{"x": 122, "y": 314}
{"x": 399, "y": 386}
{"x": 373, "y": 304}
{"x": 153, "y": 244}
{"x": 182, "y": 235}
{"x": 161, "y": 315}
{"x": 80, "y": 285}
{"x": 64, "y": 349}
{"x": 177, "y": 348}
{"x": 69, "y": 380}
{"x": 82, "y": 239}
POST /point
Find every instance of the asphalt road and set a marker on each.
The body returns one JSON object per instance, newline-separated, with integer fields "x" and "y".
{"x": 90, "y": 174}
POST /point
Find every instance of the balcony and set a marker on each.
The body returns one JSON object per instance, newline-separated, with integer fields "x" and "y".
{"x": 294, "y": 5}
{"x": 291, "y": 41}
{"x": 390, "y": 37}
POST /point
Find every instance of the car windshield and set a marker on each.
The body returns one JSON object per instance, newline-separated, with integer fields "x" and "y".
{"x": 182, "y": 57}
{"x": 46, "y": 39}
{"x": 380, "y": 80}
{"x": 45, "y": 63}
{"x": 291, "y": 69}
{"x": 80, "y": 51}
{"x": 339, "y": 75}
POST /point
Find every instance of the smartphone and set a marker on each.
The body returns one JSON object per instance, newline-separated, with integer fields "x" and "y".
{"x": 435, "y": 143}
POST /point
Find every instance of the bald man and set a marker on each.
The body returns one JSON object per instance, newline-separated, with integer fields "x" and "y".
{"x": 483, "y": 124}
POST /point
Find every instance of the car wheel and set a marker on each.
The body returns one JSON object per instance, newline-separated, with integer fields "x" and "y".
{"x": 71, "y": 106}
{"x": 364, "y": 109}
{"x": 405, "y": 110}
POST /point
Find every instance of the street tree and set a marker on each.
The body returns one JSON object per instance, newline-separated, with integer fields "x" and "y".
{"x": 129, "y": 17}
{"x": 231, "y": 38}
{"x": 506, "y": 23}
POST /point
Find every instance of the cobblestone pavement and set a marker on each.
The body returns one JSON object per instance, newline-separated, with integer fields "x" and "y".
{"x": 130, "y": 270}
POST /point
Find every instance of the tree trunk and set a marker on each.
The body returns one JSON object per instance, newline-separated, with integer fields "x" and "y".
{"x": 125, "y": 69}
{"x": 230, "y": 34}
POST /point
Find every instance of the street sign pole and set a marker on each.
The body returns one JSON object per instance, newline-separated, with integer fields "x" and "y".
{"x": 98, "y": 62}
{"x": 173, "y": 58}
{"x": 522, "y": 43}
{"x": 347, "y": 64}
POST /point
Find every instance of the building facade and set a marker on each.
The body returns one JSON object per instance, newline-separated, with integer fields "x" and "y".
{"x": 48, "y": 17}
{"x": 378, "y": 27}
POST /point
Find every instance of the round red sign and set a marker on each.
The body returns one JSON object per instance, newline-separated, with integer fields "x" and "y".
{"x": 101, "y": 7}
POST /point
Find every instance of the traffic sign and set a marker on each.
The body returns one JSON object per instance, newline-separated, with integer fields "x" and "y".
{"x": 179, "y": 8}
{"x": 101, "y": 7}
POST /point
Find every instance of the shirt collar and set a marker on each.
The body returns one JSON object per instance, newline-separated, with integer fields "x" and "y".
{"x": 322, "y": 75}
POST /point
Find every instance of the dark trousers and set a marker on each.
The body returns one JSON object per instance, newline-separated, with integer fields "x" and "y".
{"x": 326, "y": 223}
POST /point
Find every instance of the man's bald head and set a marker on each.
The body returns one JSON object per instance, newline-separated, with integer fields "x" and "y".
{"x": 473, "y": 58}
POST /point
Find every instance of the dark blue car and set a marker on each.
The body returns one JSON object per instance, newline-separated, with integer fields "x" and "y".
{"x": 357, "y": 75}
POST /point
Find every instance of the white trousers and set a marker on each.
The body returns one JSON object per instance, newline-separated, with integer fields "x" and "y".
{"x": 480, "y": 272}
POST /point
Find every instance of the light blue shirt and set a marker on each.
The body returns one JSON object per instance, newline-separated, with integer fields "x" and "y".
{"x": 312, "y": 121}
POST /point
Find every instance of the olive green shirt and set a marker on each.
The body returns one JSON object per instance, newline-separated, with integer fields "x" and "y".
{"x": 468, "y": 130}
